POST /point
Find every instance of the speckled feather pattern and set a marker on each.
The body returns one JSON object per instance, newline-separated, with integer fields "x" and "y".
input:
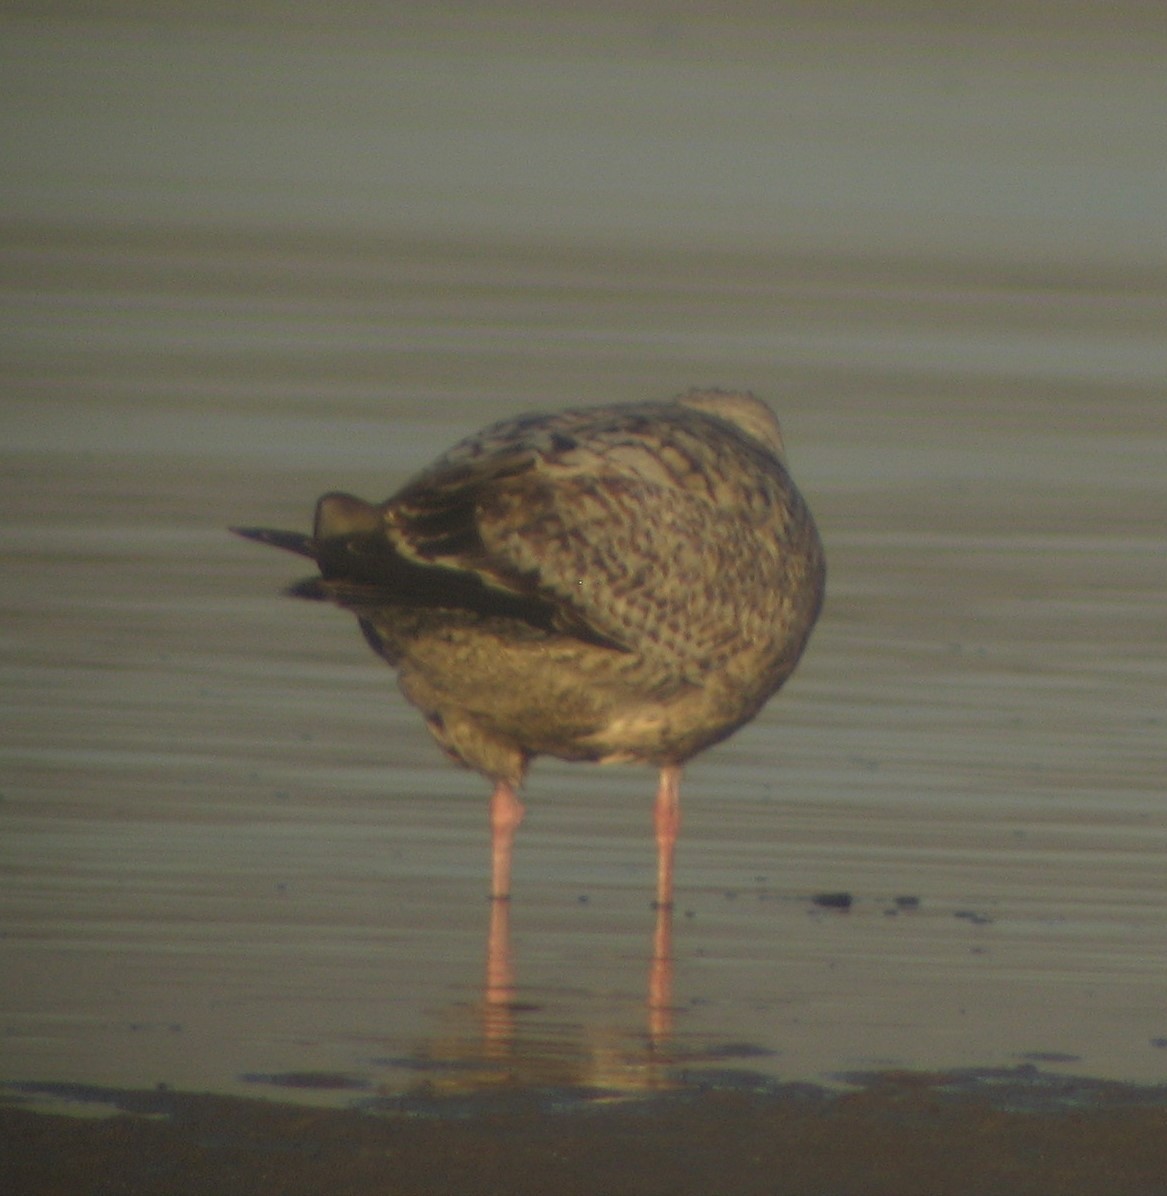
{"x": 625, "y": 582}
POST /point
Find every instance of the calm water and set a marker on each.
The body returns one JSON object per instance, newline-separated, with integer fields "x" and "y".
{"x": 258, "y": 263}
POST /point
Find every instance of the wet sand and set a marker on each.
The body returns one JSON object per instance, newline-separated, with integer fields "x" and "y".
{"x": 899, "y": 1135}
{"x": 234, "y": 864}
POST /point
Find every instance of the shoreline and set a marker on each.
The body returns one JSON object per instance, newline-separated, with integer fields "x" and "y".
{"x": 1006, "y": 1131}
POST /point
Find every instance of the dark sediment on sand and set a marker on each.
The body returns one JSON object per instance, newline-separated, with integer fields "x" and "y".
{"x": 998, "y": 1132}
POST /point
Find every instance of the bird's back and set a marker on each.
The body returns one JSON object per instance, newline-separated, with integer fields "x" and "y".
{"x": 630, "y": 581}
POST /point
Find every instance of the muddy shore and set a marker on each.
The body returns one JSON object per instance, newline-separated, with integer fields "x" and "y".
{"x": 900, "y": 1134}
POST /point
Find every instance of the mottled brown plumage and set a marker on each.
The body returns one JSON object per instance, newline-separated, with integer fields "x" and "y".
{"x": 611, "y": 583}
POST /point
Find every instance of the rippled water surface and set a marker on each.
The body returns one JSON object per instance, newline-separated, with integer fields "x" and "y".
{"x": 232, "y": 858}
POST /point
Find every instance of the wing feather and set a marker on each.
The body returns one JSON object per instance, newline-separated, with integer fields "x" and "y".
{"x": 652, "y": 527}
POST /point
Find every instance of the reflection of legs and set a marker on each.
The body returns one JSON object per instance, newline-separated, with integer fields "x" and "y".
{"x": 499, "y": 996}
{"x": 660, "y": 979}
{"x": 506, "y": 812}
{"x": 667, "y": 819}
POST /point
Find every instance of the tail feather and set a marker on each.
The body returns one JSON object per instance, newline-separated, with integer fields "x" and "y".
{"x": 296, "y": 542}
{"x": 351, "y": 595}
{"x": 362, "y": 570}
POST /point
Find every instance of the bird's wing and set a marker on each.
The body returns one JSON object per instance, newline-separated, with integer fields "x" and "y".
{"x": 653, "y": 533}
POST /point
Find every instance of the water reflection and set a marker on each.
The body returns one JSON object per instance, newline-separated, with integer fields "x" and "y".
{"x": 604, "y": 1061}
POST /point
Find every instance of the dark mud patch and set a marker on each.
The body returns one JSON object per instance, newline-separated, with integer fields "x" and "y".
{"x": 892, "y": 1134}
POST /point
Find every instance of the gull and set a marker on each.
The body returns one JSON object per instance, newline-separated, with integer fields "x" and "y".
{"x": 619, "y": 583}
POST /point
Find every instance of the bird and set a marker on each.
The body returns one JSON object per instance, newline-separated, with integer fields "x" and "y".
{"x": 619, "y": 583}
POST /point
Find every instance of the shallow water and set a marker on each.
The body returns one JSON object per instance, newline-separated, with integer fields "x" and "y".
{"x": 233, "y": 859}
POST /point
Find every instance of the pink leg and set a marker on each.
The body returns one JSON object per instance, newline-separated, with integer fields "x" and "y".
{"x": 506, "y": 812}
{"x": 667, "y": 819}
